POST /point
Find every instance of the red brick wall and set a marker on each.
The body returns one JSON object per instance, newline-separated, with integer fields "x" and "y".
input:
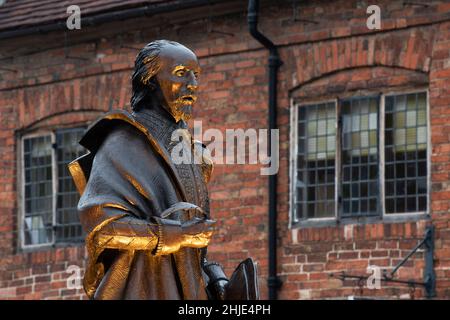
{"x": 336, "y": 56}
{"x": 310, "y": 255}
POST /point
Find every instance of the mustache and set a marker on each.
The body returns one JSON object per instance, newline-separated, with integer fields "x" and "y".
{"x": 190, "y": 97}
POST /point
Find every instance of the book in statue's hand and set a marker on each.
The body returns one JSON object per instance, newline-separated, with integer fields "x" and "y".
{"x": 243, "y": 283}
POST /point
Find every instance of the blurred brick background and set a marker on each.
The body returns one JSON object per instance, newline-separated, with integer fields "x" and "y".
{"x": 338, "y": 54}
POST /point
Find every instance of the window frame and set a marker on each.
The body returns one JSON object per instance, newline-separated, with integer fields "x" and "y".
{"x": 21, "y": 227}
{"x": 339, "y": 138}
{"x": 295, "y": 222}
{"x": 52, "y": 132}
{"x": 64, "y": 241}
{"x": 294, "y": 153}
{"x": 398, "y": 215}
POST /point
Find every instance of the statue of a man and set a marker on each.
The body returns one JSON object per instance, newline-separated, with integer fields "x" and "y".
{"x": 146, "y": 216}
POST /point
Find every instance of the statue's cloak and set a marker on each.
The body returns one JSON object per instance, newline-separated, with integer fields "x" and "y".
{"x": 128, "y": 174}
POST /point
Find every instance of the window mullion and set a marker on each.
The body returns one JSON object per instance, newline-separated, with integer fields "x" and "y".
{"x": 428, "y": 155}
{"x": 54, "y": 185}
{"x": 338, "y": 161}
{"x": 294, "y": 176}
{"x": 36, "y": 212}
{"x": 22, "y": 194}
{"x": 67, "y": 149}
{"x": 381, "y": 168}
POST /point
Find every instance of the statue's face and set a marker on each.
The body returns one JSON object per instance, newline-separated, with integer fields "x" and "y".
{"x": 177, "y": 78}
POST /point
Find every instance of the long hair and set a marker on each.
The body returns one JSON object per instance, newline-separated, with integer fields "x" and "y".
{"x": 146, "y": 66}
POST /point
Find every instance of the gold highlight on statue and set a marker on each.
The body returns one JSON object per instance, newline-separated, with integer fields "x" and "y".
{"x": 147, "y": 217}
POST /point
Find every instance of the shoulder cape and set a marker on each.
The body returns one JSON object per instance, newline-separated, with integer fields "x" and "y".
{"x": 127, "y": 173}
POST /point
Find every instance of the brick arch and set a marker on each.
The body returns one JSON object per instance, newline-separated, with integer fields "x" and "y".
{"x": 409, "y": 49}
{"x": 362, "y": 78}
{"x": 63, "y": 119}
{"x": 100, "y": 93}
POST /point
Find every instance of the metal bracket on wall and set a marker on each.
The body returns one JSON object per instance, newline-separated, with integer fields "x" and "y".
{"x": 429, "y": 277}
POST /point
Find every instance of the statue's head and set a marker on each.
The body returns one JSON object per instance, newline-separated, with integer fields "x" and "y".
{"x": 167, "y": 71}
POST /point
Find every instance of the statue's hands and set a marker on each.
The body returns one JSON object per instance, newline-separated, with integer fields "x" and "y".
{"x": 220, "y": 287}
{"x": 197, "y": 232}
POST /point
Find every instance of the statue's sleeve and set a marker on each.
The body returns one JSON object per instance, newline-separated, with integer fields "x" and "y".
{"x": 161, "y": 237}
{"x": 124, "y": 195}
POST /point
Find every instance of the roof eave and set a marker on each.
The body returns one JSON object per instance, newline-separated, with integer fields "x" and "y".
{"x": 107, "y": 17}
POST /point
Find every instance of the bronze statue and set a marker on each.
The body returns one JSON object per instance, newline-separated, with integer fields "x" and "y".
{"x": 146, "y": 217}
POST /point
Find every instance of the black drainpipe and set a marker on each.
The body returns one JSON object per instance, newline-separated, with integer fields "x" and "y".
{"x": 273, "y": 282}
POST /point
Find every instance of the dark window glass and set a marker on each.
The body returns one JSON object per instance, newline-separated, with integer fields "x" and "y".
{"x": 360, "y": 156}
{"x": 405, "y": 153}
{"x": 405, "y": 157}
{"x": 45, "y": 221}
{"x": 317, "y": 145}
{"x": 68, "y": 227}
{"x": 38, "y": 185}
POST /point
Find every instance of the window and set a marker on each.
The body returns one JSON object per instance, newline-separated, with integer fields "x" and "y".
{"x": 49, "y": 195}
{"x": 361, "y": 157}
{"x": 406, "y": 153}
{"x": 316, "y": 161}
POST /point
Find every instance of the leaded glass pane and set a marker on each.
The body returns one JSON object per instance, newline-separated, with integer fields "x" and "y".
{"x": 38, "y": 195}
{"x": 405, "y": 153}
{"x": 68, "y": 227}
{"x": 359, "y": 157}
{"x": 316, "y": 161}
